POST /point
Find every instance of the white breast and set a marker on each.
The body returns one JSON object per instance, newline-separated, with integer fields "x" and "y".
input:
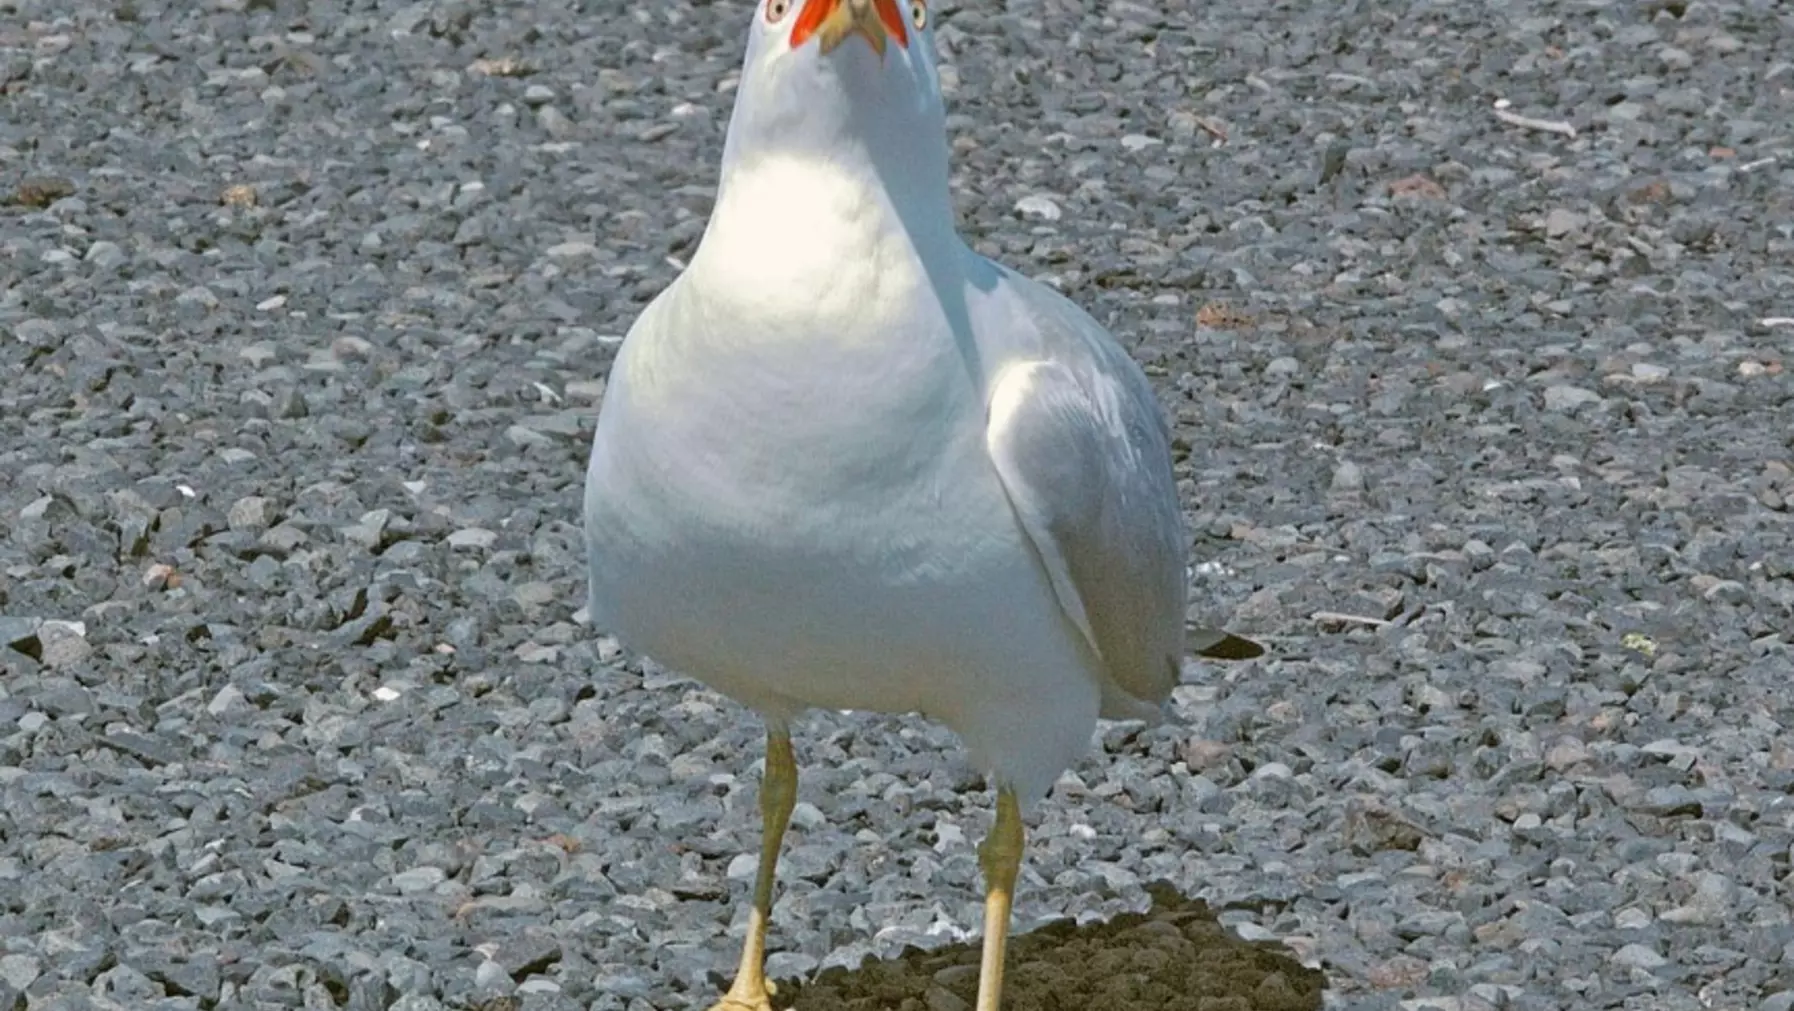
{"x": 841, "y": 544}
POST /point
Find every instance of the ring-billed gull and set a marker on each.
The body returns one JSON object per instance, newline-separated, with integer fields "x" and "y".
{"x": 843, "y": 461}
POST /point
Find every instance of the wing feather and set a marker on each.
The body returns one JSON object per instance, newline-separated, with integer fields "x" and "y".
{"x": 1084, "y": 454}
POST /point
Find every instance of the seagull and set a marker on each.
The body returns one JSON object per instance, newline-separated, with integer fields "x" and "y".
{"x": 844, "y": 462}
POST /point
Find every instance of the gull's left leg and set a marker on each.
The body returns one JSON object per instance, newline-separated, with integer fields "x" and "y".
{"x": 1001, "y": 858}
{"x": 778, "y": 795}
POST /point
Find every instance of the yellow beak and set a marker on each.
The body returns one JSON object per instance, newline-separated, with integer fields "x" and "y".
{"x": 852, "y": 17}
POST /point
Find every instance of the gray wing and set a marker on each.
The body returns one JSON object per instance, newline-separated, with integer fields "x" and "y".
{"x": 1083, "y": 452}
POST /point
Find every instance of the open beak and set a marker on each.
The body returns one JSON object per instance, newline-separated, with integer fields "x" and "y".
{"x": 832, "y": 21}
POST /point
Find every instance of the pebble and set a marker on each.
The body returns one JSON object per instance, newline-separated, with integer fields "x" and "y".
{"x": 105, "y": 255}
{"x": 19, "y": 971}
{"x": 1712, "y": 902}
{"x": 1566, "y": 398}
{"x": 1639, "y": 956}
{"x": 472, "y": 538}
{"x": 418, "y": 879}
{"x": 1039, "y": 207}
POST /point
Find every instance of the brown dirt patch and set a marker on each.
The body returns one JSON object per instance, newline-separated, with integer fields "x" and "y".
{"x": 1173, "y": 958}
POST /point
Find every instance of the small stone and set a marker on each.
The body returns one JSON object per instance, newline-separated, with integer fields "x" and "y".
{"x": 147, "y": 750}
{"x": 1561, "y": 222}
{"x": 527, "y": 438}
{"x": 19, "y": 971}
{"x": 252, "y": 512}
{"x": 585, "y": 389}
{"x": 1671, "y": 802}
{"x": 212, "y": 916}
{"x": 1371, "y": 826}
{"x": 1566, "y": 398}
{"x": 492, "y": 979}
{"x": 1567, "y": 753}
{"x": 1427, "y": 923}
{"x": 65, "y": 698}
{"x": 1202, "y": 755}
{"x": 473, "y": 538}
{"x": 283, "y": 539}
{"x": 534, "y": 953}
{"x": 1639, "y": 956}
{"x": 535, "y": 593}
{"x": 1712, "y": 902}
{"x": 419, "y": 879}
{"x": 18, "y": 630}
{"x": 1724, "y": 591}
{"x": 562, "y": 423}
{"x": 1038, "y": 207}
{"x": 105, "y": 255}
{"x": 199, "y": 297}
{"x": 370, "y": 529}
{"x": 128, "y": 986}
{"x": 229, "y": 697}
{"x": 1348, "y": 478}
{"x": 1677, "y": 754}
{"x": 352, "y": 348}
{"x": 538, "y": 94}
{"x": 571, "y": 250}
{"x": 939, "y": 998}
{"x": 291, "y": 406}
{"x": 1675, "y": 59}
{"x": 64, "y": 643}
{"x": 1493, "y": 995}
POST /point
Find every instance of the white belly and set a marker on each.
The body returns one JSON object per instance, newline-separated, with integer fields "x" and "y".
{"x": 904, "y": 589}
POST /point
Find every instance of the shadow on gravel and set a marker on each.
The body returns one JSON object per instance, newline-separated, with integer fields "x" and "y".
{"x": 1173, "y": 958}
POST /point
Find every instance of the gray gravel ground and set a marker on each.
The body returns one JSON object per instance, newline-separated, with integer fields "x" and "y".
{"x": 307, "y": 308}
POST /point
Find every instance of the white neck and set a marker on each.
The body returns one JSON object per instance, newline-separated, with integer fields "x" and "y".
{"x": 868, "y": 131}
{"x": 834, "y": 180}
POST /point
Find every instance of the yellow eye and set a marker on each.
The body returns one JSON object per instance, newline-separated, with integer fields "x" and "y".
{"x": 776, "y": 10}
{"x": 918, "y": 13}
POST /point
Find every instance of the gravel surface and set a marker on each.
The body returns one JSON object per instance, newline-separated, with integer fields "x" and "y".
{"x": 306, "y": 309}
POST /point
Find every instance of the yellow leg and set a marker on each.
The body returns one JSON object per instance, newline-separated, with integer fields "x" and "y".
{"x": 778, "y": 795}
{"x": 1001, "y": 858}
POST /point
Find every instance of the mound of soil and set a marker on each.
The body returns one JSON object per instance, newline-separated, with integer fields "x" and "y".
{"x": 1175, "y": 957}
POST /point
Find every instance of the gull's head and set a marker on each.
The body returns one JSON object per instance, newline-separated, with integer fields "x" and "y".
{"x": 838, "y": 79}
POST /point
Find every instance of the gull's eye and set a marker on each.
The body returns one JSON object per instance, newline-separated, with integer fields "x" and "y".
{"x": 918, "y": 13}
{"x": 776, "y": 10}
